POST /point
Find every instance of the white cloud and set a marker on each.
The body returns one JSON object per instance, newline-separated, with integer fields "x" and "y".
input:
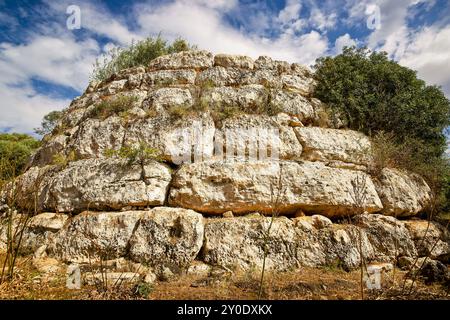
{"x": 61, "y": 61}
{"x": 205, "y": 27}
{"x": 322, "y": 21}
{"x": 343, "y": 41}
{"x": 22, "y": 108}
{"x": 97, "y": 19}
{"x": 428, "y": 53}
{"x": 290, "y": 12}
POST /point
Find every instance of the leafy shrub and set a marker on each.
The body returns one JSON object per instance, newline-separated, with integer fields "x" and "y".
{"x": 63, "y": 160}
{"x": 116, "y": 105}
{"x": 405, "y": 117}
{"x": 49, "y": 122}
{"x": 138, "y": 54}
{"x": 15, "y": 151}
{"x": 376, "y": 94}
{"x": 137, "y": 154}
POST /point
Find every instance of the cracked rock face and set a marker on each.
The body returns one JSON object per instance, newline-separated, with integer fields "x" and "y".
{"x": 97, "y": 184}
{"x": 167, "y": 238}
{"x": 220, "y": 186}
{"x": 220, "y": 128}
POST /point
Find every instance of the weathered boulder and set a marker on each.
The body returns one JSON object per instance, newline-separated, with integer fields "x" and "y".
{"x": 388, "y": 236}
{"x": 171, "y": 77}
{"x": 258, "y": 136}
{"x": 338, "y": 148}
{"x": 167, "y": 238}
{"x": 292, "y": 103}
{"x": 233, "y": 61}
{"x": 240, "y": 243}
{"x": 431, "y": 239}
{"x": 175, "y": 141}
{"x": 220, "y": 186}
{"x": 402, "y": 194}
{"x": 197, "y": 60}
{"x": 94, "y": 236}
{"x": 40, "y": 229}
{"x": 96, "y": 136}
{"x": 247, "y": 98}
{"x": 95, "y": 184}
{"x": 162, "y": 99}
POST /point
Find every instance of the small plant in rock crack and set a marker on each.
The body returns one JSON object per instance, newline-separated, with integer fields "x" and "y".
{"x": 117, "y": 105}
{"x": 135, "y": 154}
{"x": 277, "y": 193}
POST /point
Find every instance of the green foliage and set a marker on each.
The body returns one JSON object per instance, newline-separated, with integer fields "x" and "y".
{"x": 138, "y": 154}
{"x": 49, "y": 123}
{"x": 15, "y": 151}
{"x": 376, "y": 94}
{"x": 138, "y": 54}
{"x": 143, "y": 289}
{"x": 63, "y": 160}
{"x": 117, "y": 105}
{"x": 405, "y": 117}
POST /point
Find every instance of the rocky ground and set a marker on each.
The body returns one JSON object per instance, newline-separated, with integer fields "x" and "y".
{"x": 34, "y": 281}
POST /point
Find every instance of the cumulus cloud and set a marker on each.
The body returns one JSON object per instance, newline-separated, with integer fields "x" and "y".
{"x": 22, "y": 108}
{"x": 343, "y": 41}
{"x": 189, "y": 20}
{"x": 428, "y": 53}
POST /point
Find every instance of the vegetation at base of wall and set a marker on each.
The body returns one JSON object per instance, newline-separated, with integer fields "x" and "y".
{"x": 15, "y": 152}
{"x": 405, "y": 117}
{"x": 138, "y": 54}
{"x": 117, "y": 105}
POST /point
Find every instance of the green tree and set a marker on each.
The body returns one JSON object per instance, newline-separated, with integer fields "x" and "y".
{"x": 49, "y": 122}
{"x": 376, "y": 94}
{"x": 138, "y": 54}
{"x": 15, "y": 151}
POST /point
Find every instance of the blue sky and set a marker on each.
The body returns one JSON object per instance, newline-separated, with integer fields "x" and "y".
{"x": 44, "y": 65}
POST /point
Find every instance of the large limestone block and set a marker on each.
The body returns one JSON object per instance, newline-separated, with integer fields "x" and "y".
{"x": 431, "y": 239}
{"x": 220, "y": 77}
{"x": 96, "y": 136}
{"x": 183, "y": 60}
{"x": 167, "y": 238}
{"x": 171, "y": 77}
{"x": 176, "y": 141}
{"x": 402, "y": 194}
{"x": 342, "y": 148}
{"x": 94, "y": 236}
{"x": 247, "y": 98}
{"x": 106, "y": 183}
{"x": 162, "y": 99}
{"x": 388, "y": 236}
{"x": 217, "y": 187}
{"x": 41, "y": 228}
{"x": 258, "y": 136}
{"x": 240, "y": 243}
{"x": 294, "y": 104}
{"x": 233, "y": 61}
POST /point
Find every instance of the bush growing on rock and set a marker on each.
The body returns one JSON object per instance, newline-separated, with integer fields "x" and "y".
{"x": 15, "y": 151}
{"x": 117, "y": 105}
{"x": 138, "y": 54}
{"x": 374, "y": 94}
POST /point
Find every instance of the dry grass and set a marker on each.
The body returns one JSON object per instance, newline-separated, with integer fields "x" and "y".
{"x": 305, "y": 284}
